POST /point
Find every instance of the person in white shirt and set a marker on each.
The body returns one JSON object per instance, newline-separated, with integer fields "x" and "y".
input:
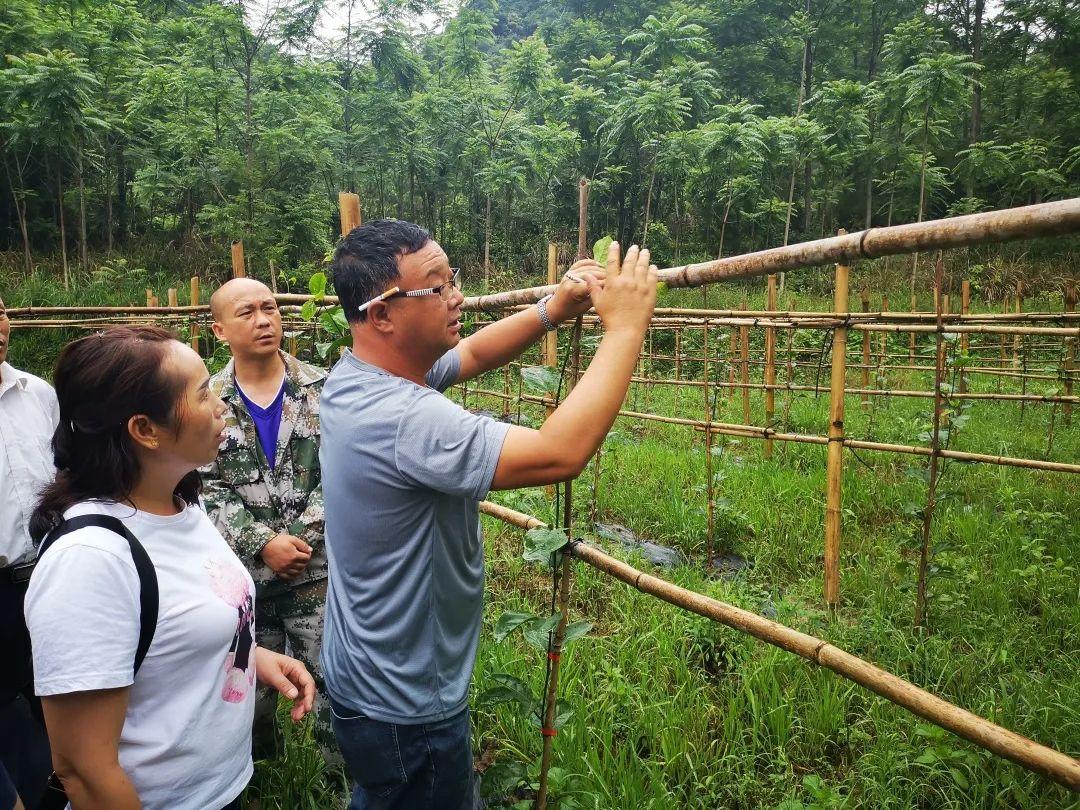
{"x": 137, "y": 419}
{"x": 28, "y": 414}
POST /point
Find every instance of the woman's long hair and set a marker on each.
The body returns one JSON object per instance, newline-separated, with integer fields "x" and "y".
{"x": 101, "y": 382}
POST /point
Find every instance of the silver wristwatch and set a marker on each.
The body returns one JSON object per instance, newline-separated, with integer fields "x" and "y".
{"x": 541, "y": 308}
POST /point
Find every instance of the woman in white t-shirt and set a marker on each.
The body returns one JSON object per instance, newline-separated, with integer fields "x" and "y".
{"x": 136, "y": 420}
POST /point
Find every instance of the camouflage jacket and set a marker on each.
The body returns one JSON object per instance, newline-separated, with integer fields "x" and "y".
{"x": 249, "y": 502}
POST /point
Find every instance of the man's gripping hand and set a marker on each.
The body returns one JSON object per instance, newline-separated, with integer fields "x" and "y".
{"x": 575, "y": 297}
{"x": 287, "y": 555}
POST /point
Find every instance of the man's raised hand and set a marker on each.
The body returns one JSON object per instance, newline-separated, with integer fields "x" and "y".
{"x": 628, "y": 297}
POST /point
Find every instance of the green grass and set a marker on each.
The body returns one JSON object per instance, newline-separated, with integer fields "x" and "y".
{"x": 671, "y": 710}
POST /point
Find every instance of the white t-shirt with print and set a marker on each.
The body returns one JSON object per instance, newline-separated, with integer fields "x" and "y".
{"x": 186, "y": 741}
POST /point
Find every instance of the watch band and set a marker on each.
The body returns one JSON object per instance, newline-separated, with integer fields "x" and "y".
{"x": 541, "y": 308}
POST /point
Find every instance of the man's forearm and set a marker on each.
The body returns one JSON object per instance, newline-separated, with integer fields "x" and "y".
{"x": 496, "y": 345}
{"x": 586, "y": 415}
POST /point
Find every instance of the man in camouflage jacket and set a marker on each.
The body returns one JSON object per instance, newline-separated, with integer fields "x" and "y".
{"x": 272, "y": 513}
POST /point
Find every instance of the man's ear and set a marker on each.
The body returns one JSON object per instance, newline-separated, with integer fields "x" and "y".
{"x": 378, "y": 315}
{"x": 143, "y": 431}
{"x": 219, "y": 331}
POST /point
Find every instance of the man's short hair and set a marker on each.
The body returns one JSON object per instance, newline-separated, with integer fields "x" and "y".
{"x": 366, "y": 262}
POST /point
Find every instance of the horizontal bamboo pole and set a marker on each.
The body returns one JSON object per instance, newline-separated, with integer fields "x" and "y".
{"x": 753, "y": 431}
{"x": 1041, "y": 759}
{"x": 1028, "y": 222}
{"x": 873, "y": 392}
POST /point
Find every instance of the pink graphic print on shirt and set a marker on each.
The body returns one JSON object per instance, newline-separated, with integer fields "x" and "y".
{"x": 230, "y": 584}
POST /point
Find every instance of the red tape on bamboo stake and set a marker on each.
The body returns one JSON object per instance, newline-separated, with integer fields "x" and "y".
{"x": 549, "y": 732}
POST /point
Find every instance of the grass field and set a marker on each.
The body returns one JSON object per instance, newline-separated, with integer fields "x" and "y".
{"x": 670, "y": 710}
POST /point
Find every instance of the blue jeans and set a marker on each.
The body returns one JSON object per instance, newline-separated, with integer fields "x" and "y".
{"x": 407, "y": 767}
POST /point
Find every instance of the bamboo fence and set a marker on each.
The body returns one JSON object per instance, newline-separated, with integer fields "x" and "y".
{"x": 1041, "y": 759}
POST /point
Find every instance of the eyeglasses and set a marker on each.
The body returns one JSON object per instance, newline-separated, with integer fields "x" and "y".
{"x": 445, "y": 291}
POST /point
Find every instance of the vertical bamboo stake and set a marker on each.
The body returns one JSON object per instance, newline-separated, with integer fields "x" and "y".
{"x": 744, "y": 351}
{"x": 174, "y": 299}
{"x": 556, "y": 643}
{"x": 965, "y": 309}
{"x": 865, "y": 350}
{"x": 770, "y": 362}
{"x": 273, "y": 277}
{"x": 551, "y": 339}
{"x": 154, "y": 301}
{"x": 1070, "y": 352}
{"x": 935, "y": 450}
{"x": 550, "y": 346}
{"x": 884, "y": 335}
{"x": 732, "y": 354}
{"x": 238, "y": 270}
{"x": 583, "y": 219}
{"x": 195, "y": 319}
{"x": 1016, "y": 338}
{"x": 835, "y": 458}
{"x": 348, "y": 211}
{"x": 911, "y": 337}
{"x": 705, "y": 367}
{"x": 149, "y": 297}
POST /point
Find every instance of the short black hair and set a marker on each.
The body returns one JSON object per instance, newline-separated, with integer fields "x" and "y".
{"x": 365, "y": 263}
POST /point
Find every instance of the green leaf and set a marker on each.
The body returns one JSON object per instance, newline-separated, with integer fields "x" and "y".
{"x": 507, "y": 689}
{"x": 538, "y": 630}
{"x": 959, "y": 778}
{"x": 509, "y": 622}
{"x": 576, "y": 630}
{"x": 317, "y": 284}
{"x": 540, "y": 379}
{"x": 600, "y": 249}
{"x": 333, "y": 321}
{"x": 564, "y": 711}
{"x": 541, "y": 543}
{"x": 307, "y": 311}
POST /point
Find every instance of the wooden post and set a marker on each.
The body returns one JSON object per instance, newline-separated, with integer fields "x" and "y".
{"x": 865, "y": 350}
{"x": 835, "y": 457}
{"x": 149, "y": 297}
{"x": 583, "y": 219}
{"x": 174, "y": 300}
{"x": 195, "y": 321}
{"x": 154, "y": 301}
{"x": 238, "y": 270}
{"x": 349, "y": 211}
{"x": 1070, "y": 351}
{"x": 935, "y": 449}
{"x": 273, "y": 277}
{"x": 770, "y": 362}
{"x": 965, "y": 309}
{"x": 744, "y": 351}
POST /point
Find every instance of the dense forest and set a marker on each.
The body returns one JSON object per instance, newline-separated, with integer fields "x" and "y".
{"x": 167, "y": 128}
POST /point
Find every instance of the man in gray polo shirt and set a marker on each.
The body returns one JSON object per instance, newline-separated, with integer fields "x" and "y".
{"x": 403, "y": 469}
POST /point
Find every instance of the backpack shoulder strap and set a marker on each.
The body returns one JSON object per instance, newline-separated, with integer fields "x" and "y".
{"x": 148, "y": 584}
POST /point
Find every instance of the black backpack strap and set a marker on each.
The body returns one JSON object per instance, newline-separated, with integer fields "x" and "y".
{"x": 148, "y": 584}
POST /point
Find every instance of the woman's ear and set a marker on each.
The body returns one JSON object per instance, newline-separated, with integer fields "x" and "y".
{"x": 143, "y": 431}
